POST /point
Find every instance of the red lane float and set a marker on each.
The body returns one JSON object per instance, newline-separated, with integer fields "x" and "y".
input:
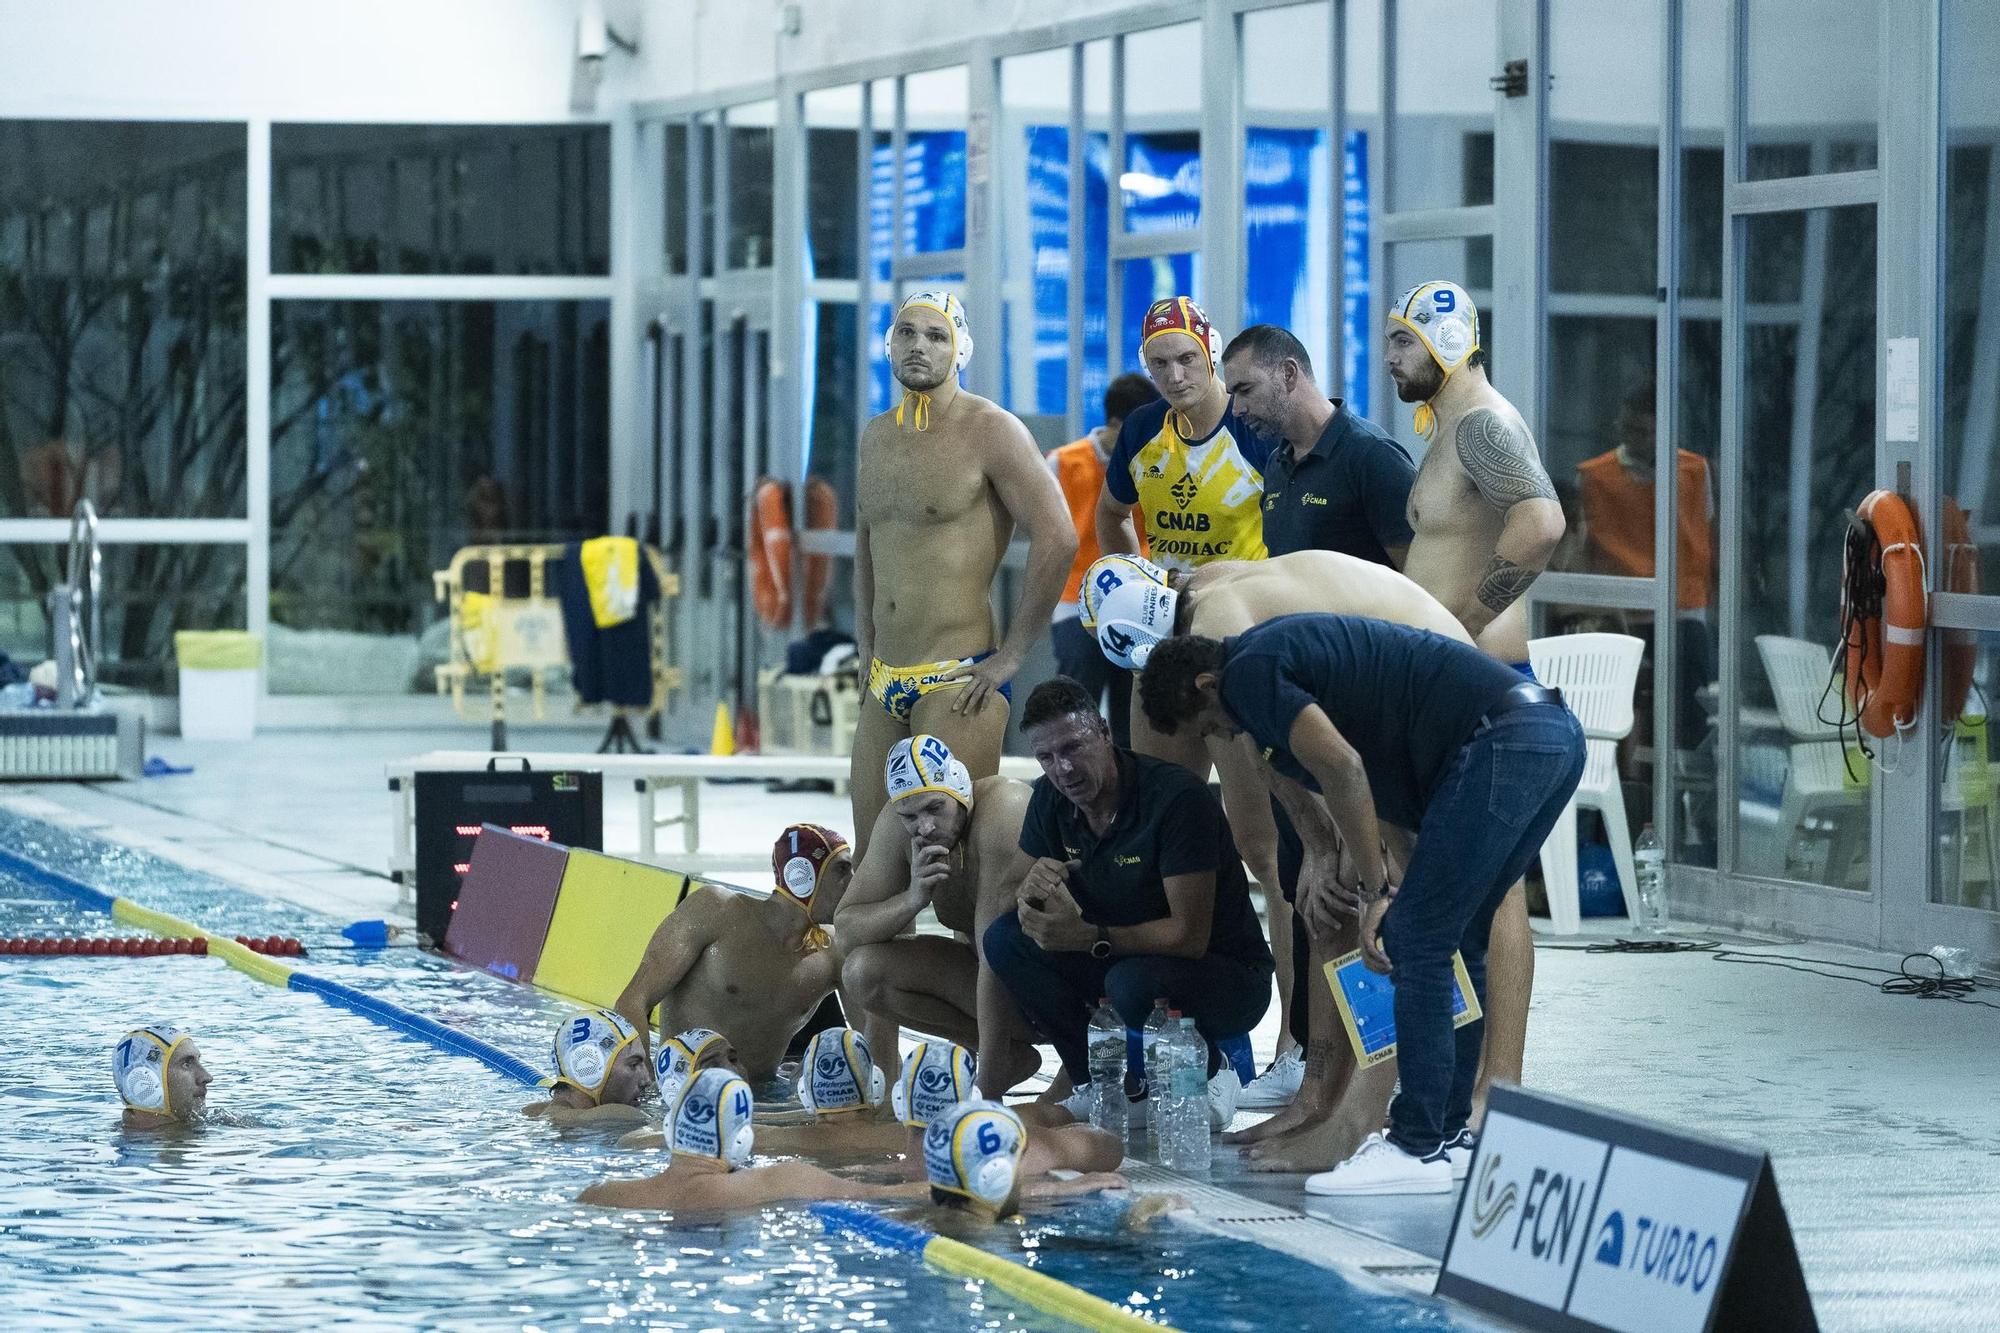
{"x": 138, "y": 946}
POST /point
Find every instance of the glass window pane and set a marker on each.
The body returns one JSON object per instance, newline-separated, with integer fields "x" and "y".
{"x": 1288, "y": 174}
{"x": 833, "y": 185}
{"x": 1810, "y": 110}
{"x": 1444, "y": 108}
{"x": 1467, "y": 261}
{"x": 675, "y": 172}
{"x": 832, "y": 417}
{"x": 403, "y": 430}
{"x": 1968, "y": 804}
{"x": 1362, "y": 64}
{"x": 934, "y": 117}
{"x": 149, "y": 592}
{"x": 1808, "y": 451}
{"x": 122, "y": 274}
{"x": 1096, "y": 376}
{"x": 749, "y": 133}
{"x": 1970, "y": 413}
{"x": 1032, "y": 152}
{"x": 1160, "y": 178}
{"x": 1150, "y": 280}
{"x": 512, "y": 199}
{"x": 881, "y": 234}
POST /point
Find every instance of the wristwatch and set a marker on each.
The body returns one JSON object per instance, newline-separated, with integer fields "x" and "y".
{"x": 1102, "y": 947}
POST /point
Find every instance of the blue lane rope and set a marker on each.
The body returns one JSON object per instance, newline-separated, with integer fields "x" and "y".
{"x": 97, "y": 900}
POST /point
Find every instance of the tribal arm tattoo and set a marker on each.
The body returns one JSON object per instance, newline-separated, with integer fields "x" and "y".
{"x": 1501, "y": 460}
{"x": 1504, "y": 581}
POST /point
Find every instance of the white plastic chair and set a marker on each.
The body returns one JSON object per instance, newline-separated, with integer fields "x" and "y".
{"x": 1597, "y": 674}
{"x": 1816, "y": 771}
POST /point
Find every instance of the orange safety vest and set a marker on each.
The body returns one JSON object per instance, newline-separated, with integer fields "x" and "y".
{"x": 1618, "y": 510}
{"x": 1080, "y": 473}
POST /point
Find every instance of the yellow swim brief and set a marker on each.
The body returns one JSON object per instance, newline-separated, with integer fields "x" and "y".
{"x": 897, "y": 689}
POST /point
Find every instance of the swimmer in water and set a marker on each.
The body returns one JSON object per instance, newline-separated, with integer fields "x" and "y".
{"x": 160, "y": 1078}
{"x": 936, "y": 1076}
{"x": 681, "y": 1057}
{"x": 974, "y": 1155}
{"x": 600, "y": 1072}
{"x": 710, "y": 1134}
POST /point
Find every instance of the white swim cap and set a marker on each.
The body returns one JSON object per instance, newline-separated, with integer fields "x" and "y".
{"x": 1446, "y": 322}
{"x": 139, "y": 1067}
{"x": 936, "y": 1076}
{"x": 974, "y": 1150}
{"x": 1133, "y": 619}
{"x": 1107, "y": 574}
{"x": 680, "y": 1056}
{"x": 953, "y": 311}
{"x": 838, "y": 1074}
{"x": 925, "y": 763}
{"x": 712, "y": 1119}
{"x": 587, "y": 1046}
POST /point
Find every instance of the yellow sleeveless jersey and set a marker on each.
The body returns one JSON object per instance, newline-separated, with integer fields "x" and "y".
{"x": 1200, "y": 500}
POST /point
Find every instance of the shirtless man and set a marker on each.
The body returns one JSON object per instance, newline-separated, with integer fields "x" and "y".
{"x": 953, "y": 845}
{"x": 600, "y": 1072}
{"x": 160, "y": 1078}
{"x": 943, "y": 482}
{"x": 753, "y": 969}
{"x": 1336, "y": 1108}
{"x": 1486, "y": 520}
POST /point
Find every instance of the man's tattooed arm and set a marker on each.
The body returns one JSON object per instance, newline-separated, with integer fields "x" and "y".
{"x": 1504, "y": 581}
{"x": 1502, "y": 462}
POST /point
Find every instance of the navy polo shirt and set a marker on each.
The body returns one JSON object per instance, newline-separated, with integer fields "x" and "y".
{"x": 1350, "y": 494}
{"x": 1168, "y": 823}
{"x": 1406, "y": 699}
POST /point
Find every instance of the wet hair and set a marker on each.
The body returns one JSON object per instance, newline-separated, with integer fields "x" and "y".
{"x": 1478, "y": 357}
{"x": 1127, "y": 394}
{"x": 1056, "y": 698}
{"x": 1166, "y": 687}
{"x": 1268, "y": 346}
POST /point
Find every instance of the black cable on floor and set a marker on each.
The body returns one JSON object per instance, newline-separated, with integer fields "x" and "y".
{"x": 1926, "y": 982}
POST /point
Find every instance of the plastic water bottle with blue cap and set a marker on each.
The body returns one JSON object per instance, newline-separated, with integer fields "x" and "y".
{"x": 1107, "y": 1069}
{"x": 1649, "y": 867}
{"x": 1156, "y": 1027}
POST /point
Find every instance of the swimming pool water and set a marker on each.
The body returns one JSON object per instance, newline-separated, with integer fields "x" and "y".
{"x": 377, "y": 1181}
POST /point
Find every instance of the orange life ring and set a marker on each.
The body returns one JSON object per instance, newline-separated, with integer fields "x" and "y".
{"x": 1885, "y": 645}
{"x": 822, "y": 515}
{"x": 770, "y": 553}
{"x": 1960, "y": 646}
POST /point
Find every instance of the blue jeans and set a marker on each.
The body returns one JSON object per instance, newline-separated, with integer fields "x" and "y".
{"x": 1484, "y": 824}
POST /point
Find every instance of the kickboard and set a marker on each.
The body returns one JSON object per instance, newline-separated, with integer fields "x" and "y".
{"x": 1367, "y": 1002}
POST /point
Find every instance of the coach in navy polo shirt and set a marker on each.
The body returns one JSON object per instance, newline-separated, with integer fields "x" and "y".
{"x": 1136, "y": 892}
{"x": 1397, "y": 725}
{"x": 1338, "y": 482}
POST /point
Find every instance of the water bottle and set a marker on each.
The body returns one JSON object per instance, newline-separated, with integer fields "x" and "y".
{"x": 1190, "y": 1098}
{"x": 1649, "y": 867}
{"x": 1169, "y": 1054}
{"x": 1107, "y": 1069}
{"x": 1157, "y": 1024}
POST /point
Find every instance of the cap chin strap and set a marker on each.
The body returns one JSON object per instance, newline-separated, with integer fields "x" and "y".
{"x": 918, "y": 404}
{"x": 816, "y": 939}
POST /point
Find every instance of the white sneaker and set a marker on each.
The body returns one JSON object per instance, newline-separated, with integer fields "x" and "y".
{"x": 1276, "y": 1086}
{"x": 1380, "y": 1167}
{"x": 1078, "y": 1104}
{"x": 1458, "y": 1151}
{"x": 1224, "y": 1092}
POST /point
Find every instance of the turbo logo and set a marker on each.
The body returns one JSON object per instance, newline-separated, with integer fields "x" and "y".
{"x": 1673, "y": 1255}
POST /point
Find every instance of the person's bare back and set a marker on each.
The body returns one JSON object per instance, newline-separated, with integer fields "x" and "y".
{"x": 1230, "y": 596}
{"x": 717, "y": 962}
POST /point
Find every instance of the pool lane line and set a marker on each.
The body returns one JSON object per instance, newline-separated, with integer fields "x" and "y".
{"x": 1038, "y": 1290}
{"x": 265, "y": 969}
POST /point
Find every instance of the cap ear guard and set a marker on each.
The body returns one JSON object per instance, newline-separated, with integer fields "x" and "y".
{"x": 1132, "y": 621}
{"x": 139, "y": 1068}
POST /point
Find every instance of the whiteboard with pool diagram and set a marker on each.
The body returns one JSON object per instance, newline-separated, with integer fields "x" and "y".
{"x": 1367, "y": 1003}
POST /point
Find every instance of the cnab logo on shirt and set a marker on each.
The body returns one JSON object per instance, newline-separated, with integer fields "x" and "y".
{"x": 1126, "y": 860}
{"x": 1311, "y": 499}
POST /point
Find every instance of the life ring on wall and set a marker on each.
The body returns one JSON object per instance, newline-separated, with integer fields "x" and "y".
{"x": 1885, "y": 612}
{"x": 822, "y": 515}
{"x": 770, "y": 553}
{"x": 1959, "y": 647}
